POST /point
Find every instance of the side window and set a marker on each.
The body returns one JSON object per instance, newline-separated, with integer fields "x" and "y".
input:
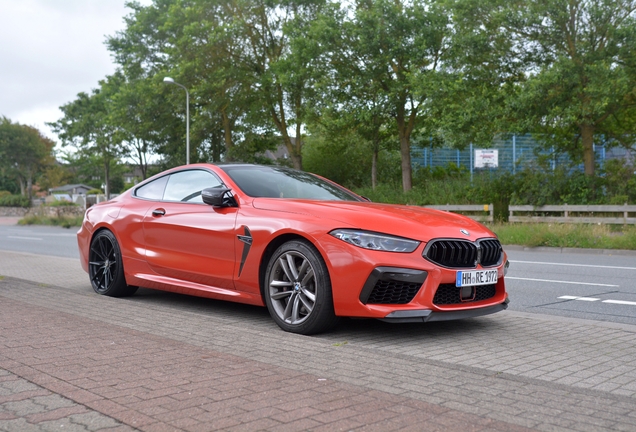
{"x": 153, "y": 190}
{"x": 186, "y": 186}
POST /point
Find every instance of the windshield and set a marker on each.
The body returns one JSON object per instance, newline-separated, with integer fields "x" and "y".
{"x": 277, "y": 182}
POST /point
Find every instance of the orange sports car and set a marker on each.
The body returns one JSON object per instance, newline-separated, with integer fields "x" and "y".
{"x": 308, "y": 249}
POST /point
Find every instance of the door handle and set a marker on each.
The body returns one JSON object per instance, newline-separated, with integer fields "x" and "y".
{"x": 158, "y": 212}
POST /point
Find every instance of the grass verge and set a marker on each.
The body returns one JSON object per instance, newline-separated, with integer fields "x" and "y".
{"x": 63, "y": 221}
{"x": 567, "y": 235}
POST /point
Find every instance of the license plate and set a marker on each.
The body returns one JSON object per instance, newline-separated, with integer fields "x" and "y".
{"x": 477, "y": 277}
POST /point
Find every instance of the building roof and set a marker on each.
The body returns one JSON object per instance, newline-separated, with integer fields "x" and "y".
{"x": 71, "y": 188}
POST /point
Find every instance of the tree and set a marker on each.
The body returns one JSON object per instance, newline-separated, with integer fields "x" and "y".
{"x": 281, "y": 58}
{"x": 86, "y": 126}
{"x": 24, "y": 153}
{"x": 192, "y": 42}
{"x": 144, "y": 123}
{"x": 580, "y": 68}
{"x": 390, "y": 52}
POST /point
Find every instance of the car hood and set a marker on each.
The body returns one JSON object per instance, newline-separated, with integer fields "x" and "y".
{"x": 414, "y": 222}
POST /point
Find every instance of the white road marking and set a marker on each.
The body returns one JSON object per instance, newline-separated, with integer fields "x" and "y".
{"x": 24, "y": 238}
{"x": 45, "y": 234}
{"x": 561, "y": 282}
{"x": 590, "y": 299}
{"x": 621, "y": 302}
{"x": 593, "y": 299}
{"x": 572, "y": 265}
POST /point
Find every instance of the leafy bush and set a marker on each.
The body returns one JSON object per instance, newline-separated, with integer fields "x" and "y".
{"x": 14, "y": 201}
{"x": 63, "y": 221}
{"x": 61, "y": 203}
{"x": 94, "y": 192}
{"x": 614, "y": 184}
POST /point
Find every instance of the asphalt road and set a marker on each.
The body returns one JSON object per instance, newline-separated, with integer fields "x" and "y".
{"x": 579, "y": 285}
{"x": 43, "y": 240}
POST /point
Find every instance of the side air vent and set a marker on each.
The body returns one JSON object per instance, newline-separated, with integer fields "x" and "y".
{"x": 392, "y": 285}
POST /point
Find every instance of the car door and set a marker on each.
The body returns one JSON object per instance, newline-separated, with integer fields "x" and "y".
{"x": 188, "y": 240}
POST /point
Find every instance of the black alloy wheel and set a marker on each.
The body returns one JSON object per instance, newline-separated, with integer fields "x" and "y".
{"x": 298, "y": 289}
{"x": 105, "y": 266}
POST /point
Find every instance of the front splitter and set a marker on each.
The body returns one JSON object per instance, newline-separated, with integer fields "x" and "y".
{"x": 426, "y": 315}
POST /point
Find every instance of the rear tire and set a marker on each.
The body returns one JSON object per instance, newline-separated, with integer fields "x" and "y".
{"x": 298, "y": 289}
{"x": 105, "y": 266}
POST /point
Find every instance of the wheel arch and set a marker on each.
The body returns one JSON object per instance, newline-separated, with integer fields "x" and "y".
{"x": 99, "y": 229}
{"x": 274, "y": 244}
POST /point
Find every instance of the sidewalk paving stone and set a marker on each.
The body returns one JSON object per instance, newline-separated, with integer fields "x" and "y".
{"x": 159, "y": 361}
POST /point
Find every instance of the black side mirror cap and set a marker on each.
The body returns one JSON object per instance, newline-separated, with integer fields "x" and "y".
{"x": 216, "y": 197}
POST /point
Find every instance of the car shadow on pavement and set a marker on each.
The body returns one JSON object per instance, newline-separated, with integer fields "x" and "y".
{"x": 348, "y": 328}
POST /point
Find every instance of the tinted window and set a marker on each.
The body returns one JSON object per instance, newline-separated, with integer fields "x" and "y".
{"x": 153, "y": 190}
{"x": 186, "y": 186}
{"x": 272, "y": 182}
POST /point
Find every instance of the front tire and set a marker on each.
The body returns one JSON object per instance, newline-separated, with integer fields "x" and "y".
{"x": 298, "y": 289}
{"x": 105, "y": 266}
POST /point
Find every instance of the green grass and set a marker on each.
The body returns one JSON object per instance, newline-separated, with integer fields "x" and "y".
{"x": 63, "y": 221}
{"x": 567, "y": 235}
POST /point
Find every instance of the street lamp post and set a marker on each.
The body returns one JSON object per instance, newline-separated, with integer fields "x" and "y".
{"x": 172, "y": 81}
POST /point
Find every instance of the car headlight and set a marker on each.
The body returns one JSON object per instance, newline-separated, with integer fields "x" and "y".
{"x": 375, "y": 241}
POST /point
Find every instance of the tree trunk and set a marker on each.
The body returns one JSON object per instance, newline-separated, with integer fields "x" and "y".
{"x": 404, "y": 132}
{"x": 29, "y": 186}
{"x": 227, "y": 132}
{"x": 141, "y": 148}
{"x": 22, "y": 187}
{"x": 297, "y": 157}
{"x": 587, "y": 139}
{"x": 374, "y": 169}
{"x": 294, "y": 150}
{"x": 107, "y": 180}
{"x": 405, "y": 152}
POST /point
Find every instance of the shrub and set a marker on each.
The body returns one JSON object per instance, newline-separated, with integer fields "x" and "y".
{"x": 61, "y": 203}
{"x": 14, "y": 201}
{"x": 63, "y": 221}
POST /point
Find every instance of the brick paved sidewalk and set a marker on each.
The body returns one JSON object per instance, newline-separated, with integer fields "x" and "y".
{"x": 105, "y": 376}
{"x": 72, "y": 360}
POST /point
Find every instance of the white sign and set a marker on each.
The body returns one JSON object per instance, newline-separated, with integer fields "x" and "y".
{"x": 488, "y": 158}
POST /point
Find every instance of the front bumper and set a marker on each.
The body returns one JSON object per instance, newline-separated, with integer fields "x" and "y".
{"x": 355, "y": 272}
{"x": 426, "y": 315}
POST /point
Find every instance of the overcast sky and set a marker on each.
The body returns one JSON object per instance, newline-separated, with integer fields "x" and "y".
{"x": 50, "y": 50}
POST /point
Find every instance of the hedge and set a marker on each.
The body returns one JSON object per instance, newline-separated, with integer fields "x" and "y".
{"x": 14, "y": 201}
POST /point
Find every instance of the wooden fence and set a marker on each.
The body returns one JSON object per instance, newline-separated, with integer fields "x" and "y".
{"x": 473, "y": 211}
{"x": 605, "y": 214}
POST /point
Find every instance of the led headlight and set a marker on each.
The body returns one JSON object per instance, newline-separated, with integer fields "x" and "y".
{"x": 375, "y": 241}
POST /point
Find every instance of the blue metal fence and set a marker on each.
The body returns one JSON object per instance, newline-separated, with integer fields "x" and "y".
{"x": 515, "y": 152}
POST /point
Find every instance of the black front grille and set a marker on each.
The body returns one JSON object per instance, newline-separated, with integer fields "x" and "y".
{"x": 464, "y": 253}
{"x": 490, "y": 252}
{"x": 393, "y": 292}
{"x": 452, "y": 253}
{"x": 448, "y": 294}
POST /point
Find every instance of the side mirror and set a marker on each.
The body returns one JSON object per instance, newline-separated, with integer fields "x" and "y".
{"x": 216, "y": 197}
